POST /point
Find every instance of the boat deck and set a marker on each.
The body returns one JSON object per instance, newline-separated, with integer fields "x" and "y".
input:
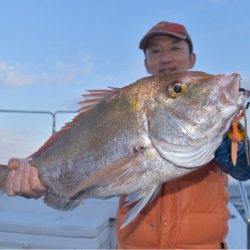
{"x": 31, "y": 224}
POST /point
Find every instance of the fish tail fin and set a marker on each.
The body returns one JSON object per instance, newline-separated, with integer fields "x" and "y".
{"x": 4, "y": 170}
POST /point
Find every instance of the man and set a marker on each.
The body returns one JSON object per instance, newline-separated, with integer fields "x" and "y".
{"x": 189, "y": 212}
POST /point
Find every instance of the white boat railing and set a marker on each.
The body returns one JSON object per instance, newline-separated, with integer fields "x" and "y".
{"x": 52, "y": 114}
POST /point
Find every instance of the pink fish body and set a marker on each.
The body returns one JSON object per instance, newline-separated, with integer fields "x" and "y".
{"x": 133, "y": 139}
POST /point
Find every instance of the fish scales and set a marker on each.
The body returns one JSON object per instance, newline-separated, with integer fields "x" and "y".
{"x": 105, "y": 134}
{"x": 136, "y": 138}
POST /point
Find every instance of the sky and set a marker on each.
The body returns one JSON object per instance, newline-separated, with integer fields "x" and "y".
{"x": 51, "y": 51}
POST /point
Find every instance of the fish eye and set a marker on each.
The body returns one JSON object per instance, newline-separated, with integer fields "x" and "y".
{"x": 177, "y": 89}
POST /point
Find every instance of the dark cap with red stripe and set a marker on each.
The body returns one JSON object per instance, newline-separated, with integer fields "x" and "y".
{"x": 169, "y": 29}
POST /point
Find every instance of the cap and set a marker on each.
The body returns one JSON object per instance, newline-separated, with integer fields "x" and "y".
{"x": 166, "y": 28}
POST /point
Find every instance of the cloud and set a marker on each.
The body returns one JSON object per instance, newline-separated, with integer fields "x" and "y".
{"x": 12, "y": 74}
{"x": 17, "y": 74}
{"x": 84, "y": 68}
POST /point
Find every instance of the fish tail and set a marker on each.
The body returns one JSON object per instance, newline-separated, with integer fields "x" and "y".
{"x": 4, "y": 170}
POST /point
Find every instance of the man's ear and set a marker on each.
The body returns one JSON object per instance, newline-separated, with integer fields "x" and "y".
{"x": 192, "y": 60}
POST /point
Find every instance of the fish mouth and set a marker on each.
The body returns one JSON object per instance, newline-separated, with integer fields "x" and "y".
{"x": 228, "y": 92}
{"x": 232, "y": 102}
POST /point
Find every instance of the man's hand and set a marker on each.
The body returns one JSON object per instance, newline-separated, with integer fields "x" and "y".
{"x": 23, "y": 180}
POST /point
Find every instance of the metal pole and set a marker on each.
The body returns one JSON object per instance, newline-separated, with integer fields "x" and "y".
{"x": 247, "y": 210}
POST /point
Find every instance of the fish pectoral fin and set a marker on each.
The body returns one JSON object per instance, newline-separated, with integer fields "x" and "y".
{"x": 105, "y": 175}
{"x": 142, "y": 197}
{"x": 60, "y": 202}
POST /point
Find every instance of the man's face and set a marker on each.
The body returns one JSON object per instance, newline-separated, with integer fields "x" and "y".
{"x": 166, "y": 54}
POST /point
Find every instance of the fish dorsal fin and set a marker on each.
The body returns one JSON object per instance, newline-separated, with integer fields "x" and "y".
{"x": 91, "y": 99}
